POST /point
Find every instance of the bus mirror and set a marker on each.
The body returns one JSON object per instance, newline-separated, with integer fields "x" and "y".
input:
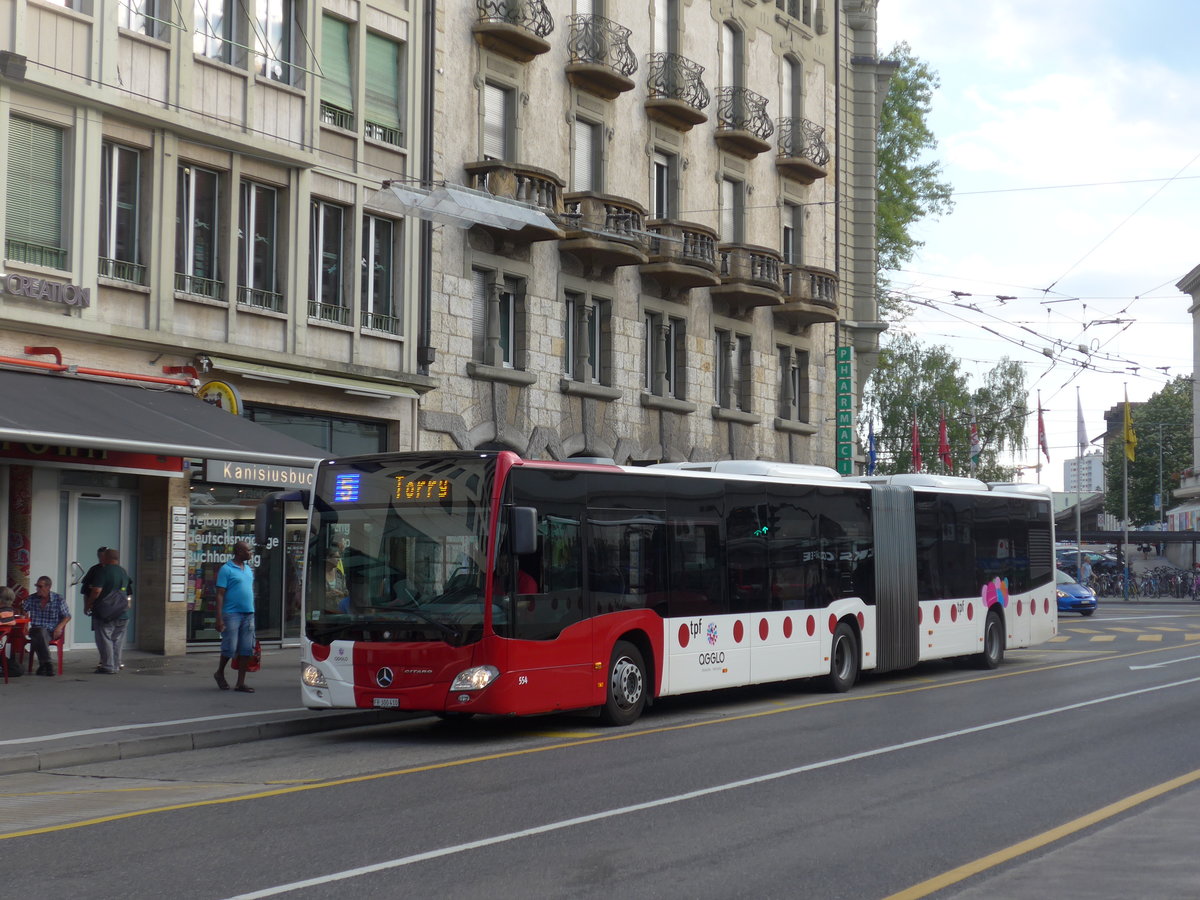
{"x": 264, "y": 515}
{"x": 524, "y": 529}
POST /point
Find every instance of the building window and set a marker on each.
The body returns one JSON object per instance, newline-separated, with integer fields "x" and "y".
{"x": 793, "y": 81}
{"x": 383, "y": 109}
{"x": 498, "y": 117}
{"x": 216, "y": 31}
{"x": 258, "y": 266}
{"x": 197, "y": 233}
{"x": 792, "y": 243}
{"x": 666, "y": 26}
{"x": 34, "y": 227}
{"x": 498, "y": 319}
{"x": 275, "y": 39}
{"x": 327, "y": 254}
{"x": 587, "y": 154}
{"x": 337, "y": 85}
{"x": 120, "y": 214}
{"x": 666, "y": 185}
{"x": 732, "y": 61}
{"x": 793, "y": 384}
{"x": 335, "y": 435}
{"x": 733, "y": 211}
{"x": 141, "y": 16}
{"x": 379, "y": 242}
{"x": 588, "y": 341}
{"x": 665, "y": 355}
{"x": 733, "y": 370}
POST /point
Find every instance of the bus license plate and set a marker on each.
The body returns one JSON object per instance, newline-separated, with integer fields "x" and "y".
{"x": 386, "y": 702}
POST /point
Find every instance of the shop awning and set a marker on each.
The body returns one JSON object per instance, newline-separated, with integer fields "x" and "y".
{"x": 359, "y": 387}
{"x": 68, "y": 411}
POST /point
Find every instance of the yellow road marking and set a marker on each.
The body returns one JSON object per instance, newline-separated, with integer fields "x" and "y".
{"x": 1061, "y": 639}
{"x": 1126, "y": 630}
{"x": 954, "y": 876}
{"x": 1103, "y": 638}
{"x": 581, "y": 742}
{"x": 1150, "y": 637}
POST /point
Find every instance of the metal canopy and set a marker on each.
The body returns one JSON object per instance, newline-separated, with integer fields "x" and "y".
{"x": 453, "y": 204}
{"x": 69, "y": 411}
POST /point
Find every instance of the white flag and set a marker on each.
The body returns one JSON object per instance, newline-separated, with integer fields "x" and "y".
{"x": 1082, "y": 437}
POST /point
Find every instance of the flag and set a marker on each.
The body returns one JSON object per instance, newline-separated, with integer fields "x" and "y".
{"x": 871, "y": 447}
{"x": 944, "y": 444}
{"x": 1042, "y": 433}
{"x": 1081, "y": 437}
{"x": 916, "y": 446}
{"x": 976, "y": 442}
{"x": 1130, "y": 437}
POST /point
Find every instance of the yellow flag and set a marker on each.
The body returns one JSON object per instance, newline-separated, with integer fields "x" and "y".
{"x": 1130, "y": 437}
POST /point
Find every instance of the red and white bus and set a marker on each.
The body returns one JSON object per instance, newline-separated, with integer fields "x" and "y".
{"x": 480, "y": 582}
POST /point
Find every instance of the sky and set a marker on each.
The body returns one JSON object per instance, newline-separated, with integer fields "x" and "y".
{"x": 1070, "y": 132}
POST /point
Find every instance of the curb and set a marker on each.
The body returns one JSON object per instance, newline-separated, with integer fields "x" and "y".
{"x": 155, "y": 745}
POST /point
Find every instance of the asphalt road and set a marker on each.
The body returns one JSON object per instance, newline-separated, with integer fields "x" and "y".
{"x": 1023, "y": 782}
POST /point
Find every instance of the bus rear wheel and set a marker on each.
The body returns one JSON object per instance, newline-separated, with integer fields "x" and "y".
{"x": 993, "y": 643}
{"x": 626, "y": 685}
{"x": 843, "y": 660}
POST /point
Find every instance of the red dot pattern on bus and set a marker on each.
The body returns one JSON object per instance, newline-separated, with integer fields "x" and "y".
{"x": 763, "y": 629}
{"x": 683, "y": 635}
{"x": 738, "y": 631}
{"x": 787, "y": 626}
{"x": 811, "y": 626}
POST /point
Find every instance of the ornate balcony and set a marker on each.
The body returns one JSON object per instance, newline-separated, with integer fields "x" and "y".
{"x": 750, "y": 277}
{"x": 743, "y": 127}
{"x": 803, "y": 154}
{"x": 809, "y": 297}
{"x": 513, "y": 28}
{"x": 675, "y": 95}
{"x": 525, "y": 184}
{"x": 603, "y": 231}
{"x": 600, "y": 60}
{"x": 682, "y": 255}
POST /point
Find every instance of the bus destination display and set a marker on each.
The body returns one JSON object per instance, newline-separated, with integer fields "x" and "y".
{"x": 347, "y": 487}
{"x": 420, "y": 489}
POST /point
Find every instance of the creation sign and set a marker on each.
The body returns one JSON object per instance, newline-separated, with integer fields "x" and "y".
{"x": 43, "y": 289}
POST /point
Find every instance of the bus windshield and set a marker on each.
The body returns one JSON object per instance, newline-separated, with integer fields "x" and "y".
{"x": 397, "y": 550}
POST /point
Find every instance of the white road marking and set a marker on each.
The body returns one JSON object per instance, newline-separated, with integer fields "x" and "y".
{"x": 1168, "y": 662}
{"x": 681, "y": 798}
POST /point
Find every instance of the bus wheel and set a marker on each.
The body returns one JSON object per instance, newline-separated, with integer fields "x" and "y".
{"x": 993, "y": 643}
{"x": 626, "y": 685}
{"x": 843, "y": 660}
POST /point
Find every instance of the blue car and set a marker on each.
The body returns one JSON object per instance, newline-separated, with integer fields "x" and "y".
{"x": 1073, "y": 596}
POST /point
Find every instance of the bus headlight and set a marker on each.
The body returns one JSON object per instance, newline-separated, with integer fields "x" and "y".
{"x": 475, "y": 679}
{"x": 311, "y": 676}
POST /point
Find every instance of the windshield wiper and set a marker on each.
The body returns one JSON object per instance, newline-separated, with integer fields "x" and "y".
{"x": 425, "y": 617}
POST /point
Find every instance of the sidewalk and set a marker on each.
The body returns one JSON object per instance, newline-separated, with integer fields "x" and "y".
{"x": 155, "y": 705}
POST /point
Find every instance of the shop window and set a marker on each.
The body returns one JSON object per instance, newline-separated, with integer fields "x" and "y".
{"x": 338, "y": 436}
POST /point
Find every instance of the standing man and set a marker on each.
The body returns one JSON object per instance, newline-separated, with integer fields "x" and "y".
{"x": 1085, "y": 573}
{"x": 110, "y": 635}
{"x": 48, "y": 618}
{"x": 235, "y": 616}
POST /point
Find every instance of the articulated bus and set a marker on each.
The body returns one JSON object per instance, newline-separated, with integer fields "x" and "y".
{"x": 481, "y": 582}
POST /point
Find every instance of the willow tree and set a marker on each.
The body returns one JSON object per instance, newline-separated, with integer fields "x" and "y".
{"x": 923, "y": 381}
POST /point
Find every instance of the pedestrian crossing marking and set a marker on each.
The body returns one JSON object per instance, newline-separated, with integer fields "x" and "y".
{"x": 1150, "y": 637}
{"x": 1061, "y": 639}
{"x": 1104, "y": 638}
{"x": 1164, "y": 628}
{"x": 1127, "y": 630}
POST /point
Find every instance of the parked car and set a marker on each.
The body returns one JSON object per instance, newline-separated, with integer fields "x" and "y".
{"x": 1073, "y": 596}
{"x": 1102, "y": 563}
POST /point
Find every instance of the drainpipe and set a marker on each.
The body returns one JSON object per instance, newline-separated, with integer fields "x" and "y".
{"x": 425, "y": 349}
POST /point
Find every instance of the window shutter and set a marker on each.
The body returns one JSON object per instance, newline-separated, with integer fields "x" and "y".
{"x": 480, "y": 286}
{"x": 382, "y": 101}
{"x": 335, "y": 63}
{"x": 495, "y": 125}
{"x": 35, "y": 183}
{"x": 585, "y": 156}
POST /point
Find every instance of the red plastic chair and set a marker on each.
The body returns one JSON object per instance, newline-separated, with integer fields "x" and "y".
{"x": 33, "y": 656}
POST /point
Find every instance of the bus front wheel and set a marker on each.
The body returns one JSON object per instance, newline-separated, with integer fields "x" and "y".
{"x": 626, "y": 685}
{"x": 843, "y": 660}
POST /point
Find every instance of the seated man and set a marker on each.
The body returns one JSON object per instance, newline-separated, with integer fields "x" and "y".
{"x": 48, "y": 618}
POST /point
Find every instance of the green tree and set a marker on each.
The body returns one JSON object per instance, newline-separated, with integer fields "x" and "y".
{"x": 915, "y": 379}
{"x": 1164, "y": 421}
{"x": 909, "y": 181}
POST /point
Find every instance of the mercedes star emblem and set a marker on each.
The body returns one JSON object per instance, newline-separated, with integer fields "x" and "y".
{"x": 384, "y": 677}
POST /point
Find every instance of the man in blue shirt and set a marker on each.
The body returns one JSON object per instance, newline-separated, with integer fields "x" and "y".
{"x": 48, "y": 618}
{"x": 235, "y": 616}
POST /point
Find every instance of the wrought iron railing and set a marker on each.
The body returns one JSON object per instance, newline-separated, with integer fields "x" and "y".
{"x": 329, "y": 312}
{"x": 386, "y": 133}
{"x": 336, "y": 116}
{"x": 120, "y": 270}
{"x": 377, "y": 322}
{"x": 532, "y": 15}
{"x": 199, "y": 287}
{"x": 259, "y": 299}
{"x": 674, "y": 77}
{"x": 741, "y": 109}
{"x": 595, "y": 39}
{"x": 804, "y": 139}
{"x": 35, "y": 254}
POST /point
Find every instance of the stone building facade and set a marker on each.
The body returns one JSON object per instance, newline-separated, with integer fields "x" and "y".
{"x": 706, "y": 171}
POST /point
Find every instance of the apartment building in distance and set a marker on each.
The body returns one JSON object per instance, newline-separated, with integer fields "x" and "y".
{"x": 687, "y": 271}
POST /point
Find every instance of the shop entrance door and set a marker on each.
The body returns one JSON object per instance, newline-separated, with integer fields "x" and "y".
{"x": 95, "y": 519}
